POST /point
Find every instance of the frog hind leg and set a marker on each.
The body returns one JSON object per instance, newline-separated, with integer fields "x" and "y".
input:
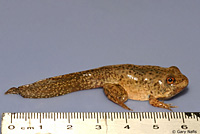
{"x": 156, "y": 103}
{"x": 116, "y": 94}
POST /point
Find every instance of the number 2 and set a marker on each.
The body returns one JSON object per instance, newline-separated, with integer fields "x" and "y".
{"x": 69, "y": 127}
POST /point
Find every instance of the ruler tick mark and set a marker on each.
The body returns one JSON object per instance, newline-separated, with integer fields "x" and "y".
{"x": 183, "y": 118}
{"x": 68, "y": 117}
{"x": 154, "y": 117}
{"x": 126, "y": 117}
{"x": 111, "y": 114}
{"x": 97, "y": 118}
{"x": 83, "y": 116}
{"x": 40, "y": 118}
{"x": 11, "y": 118}
{"x": 140, "y": 116}
{"x": 54, "y": 117}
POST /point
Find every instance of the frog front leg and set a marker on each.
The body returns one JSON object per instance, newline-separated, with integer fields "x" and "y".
{"x": 156, "y": 103}
{"x": 116, "y": 94}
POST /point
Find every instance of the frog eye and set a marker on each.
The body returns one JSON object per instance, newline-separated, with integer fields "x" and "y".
{"x": 170, "y": 80}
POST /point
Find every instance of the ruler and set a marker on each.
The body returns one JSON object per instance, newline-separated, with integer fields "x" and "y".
{"x": 101, "y": 123}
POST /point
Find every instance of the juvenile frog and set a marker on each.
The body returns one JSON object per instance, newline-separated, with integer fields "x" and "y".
{"x": 119, "y": 82}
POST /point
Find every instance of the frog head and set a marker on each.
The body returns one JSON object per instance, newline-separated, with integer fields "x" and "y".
{"x": 173, "y": 82}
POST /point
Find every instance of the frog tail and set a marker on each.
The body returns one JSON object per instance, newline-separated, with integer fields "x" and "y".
{"x": 13, "y": 90}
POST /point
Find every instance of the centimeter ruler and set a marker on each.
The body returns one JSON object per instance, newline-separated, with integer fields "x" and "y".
{"x": 101, "y": 123}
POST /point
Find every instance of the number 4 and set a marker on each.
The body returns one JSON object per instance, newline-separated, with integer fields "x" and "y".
{"x": 127, "y": 127}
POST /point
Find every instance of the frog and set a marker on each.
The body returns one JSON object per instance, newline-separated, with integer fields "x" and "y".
{"x": 119, "y": 82}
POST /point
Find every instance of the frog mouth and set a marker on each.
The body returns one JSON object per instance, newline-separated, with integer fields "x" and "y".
{"x": 184, "y": 84}
{"x": 179, "y": 90}
{"x": 172, "y": 94}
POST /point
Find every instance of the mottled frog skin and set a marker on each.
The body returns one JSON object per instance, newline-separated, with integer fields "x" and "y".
{"x": 120, "y": 83}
